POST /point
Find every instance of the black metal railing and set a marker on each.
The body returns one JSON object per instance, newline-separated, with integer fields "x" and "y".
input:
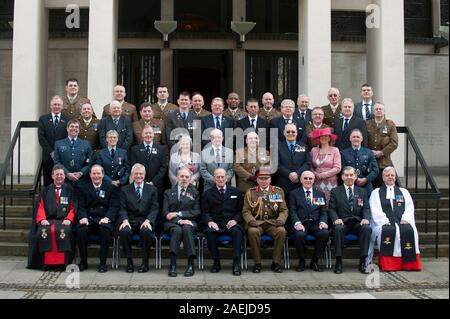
{"x": 9, "y": 186}
{"x": 421, "y": 184}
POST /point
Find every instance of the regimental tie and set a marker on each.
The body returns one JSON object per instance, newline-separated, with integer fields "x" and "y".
{"x": 367, "y": 111}
{"x": 217, "y": 122}
{"x": 291, "y": 147}
{"x": 350, "y": 197}
{"x": 138, "y": 193}
{"x": 148, "y": 150}
{"x": 308, "y": 197}
{"x": 182, "y": 193}
{"x": 345, "y": 124}
{"x": 116, "y": 122}
{"x": 183, "y": 116}
{"x": 218, "y": 157}
{"x": 56, "y": 121}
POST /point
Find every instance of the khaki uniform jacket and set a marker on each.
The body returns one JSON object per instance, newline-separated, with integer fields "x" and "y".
{"x": 202, "y": 113}
{"x": 90, "y": 132}
{"x": 160, "y": 114}
{"x": 235, "y": 116}
{"x": 329, "y": 117}
{"x": 245, "y": 169}
{"x": 383, "y": 138}
{"x": 73, "y": 110}
{"x": 159, "y": 130}
{"x": 264, "y": 208}
{"x": 268, "y": 116}
{"x": 309, "y": 128}
{"x": 128, "y": 110}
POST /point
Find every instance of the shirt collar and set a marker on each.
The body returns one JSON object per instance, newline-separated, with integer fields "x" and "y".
{"x": 305, "y": 190}
{"x": 224, "y": 188}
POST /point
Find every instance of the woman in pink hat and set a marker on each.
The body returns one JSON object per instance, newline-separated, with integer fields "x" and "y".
{"x": 325, "y": 159}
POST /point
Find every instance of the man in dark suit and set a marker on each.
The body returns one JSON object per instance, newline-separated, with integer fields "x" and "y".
{"x": 52, "y": 127}
{"x": 138, "y": 211}
{"x": 182, "y": 121}
{"x": 115, "y": 161}
{"x": 121, "y": 124}
{"x": 98, "y": 209}
{"x": 308, "y": 213}
{"x": 349, "y": 211}
{"x": 364, "y": 109}
{"x": 346, "y": 124}
{"x": 222, "y": 213}
{"x": 181, "y": 211}
{"x": 302, "y": 109}
{"x": 363, "y": 160}
{"x": 253, "y": 122}
{"x": 217, "y": 120}
{"x": 75, "y": 154}
{"x": 289, "y": 117}
{"x": 293, "y": 160}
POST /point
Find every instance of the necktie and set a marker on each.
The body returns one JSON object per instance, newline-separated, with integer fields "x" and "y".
{"x": 72, "y": 141}
{"x": 183, "y": 116}
{"x": 138, "y": 193}
{"x": 56, "y": 121}
{"x": 217, "y": 123}
{"x": 291, "y": 147}
{"x": 116, "y": 121}
{"x": 147, "y": 149}
{"x": 308, "y": 197}
{"x": 218, "y": 157}
{"x": 253, "y": 123}
{"x": 112, "y": 153}
{"x": 183, "y": 191}
{"x": 222, "y": 191}
{"x": 345, "y": 124}
{"x": 367, "y": 111}
{"x": 350, "y": 197}
{"x": 287, "y": 121}
{"x": 303, "y": 116}
{"x": 97, "y": 191}
{"x": 57, "y": 194}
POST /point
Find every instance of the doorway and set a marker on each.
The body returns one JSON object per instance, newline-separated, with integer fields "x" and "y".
{"x": 206, "y": 71}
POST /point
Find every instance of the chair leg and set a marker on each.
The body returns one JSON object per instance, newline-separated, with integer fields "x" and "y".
{"x": 156, "y": 253}
{"x": 113, "y": 258}
{"x": 159, "y": 239}
{"x": 285, "y": 254}
{"x": 245, "y": 253}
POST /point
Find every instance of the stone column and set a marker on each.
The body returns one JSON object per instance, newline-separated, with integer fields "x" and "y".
{"x": 102, "y": 60}
{"x": 386, "y": 64}
{"x": 29, "y": 75}
{"x": 314, "y": 49}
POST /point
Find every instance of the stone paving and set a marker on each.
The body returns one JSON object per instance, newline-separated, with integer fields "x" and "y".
{"x": 17, "y": 282}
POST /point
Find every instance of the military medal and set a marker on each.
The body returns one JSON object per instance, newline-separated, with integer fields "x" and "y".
{"x": 360, "y": 202}
{"x": 62, "y": 234}
{"x": 408, "y": 246}
{"x": 72, "y": 163}
{"x": 44, "y": 233}
{"x": 384, "y": 130}
{"x": 101, "y": 194}
{"x": 190, "y": 127}
{"x": 154, "y": 151}
{"x": 387, "y": 241}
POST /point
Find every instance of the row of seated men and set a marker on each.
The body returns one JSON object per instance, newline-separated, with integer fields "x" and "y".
{"x": 223, "y": 209}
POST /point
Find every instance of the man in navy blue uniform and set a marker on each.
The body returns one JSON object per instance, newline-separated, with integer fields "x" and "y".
{"x": 308, "y": 212}
{"x": 363, "y": 160}
{"x": 98, "y": 209}
{"x": 115, "y": 161}
{"x": 75, "y": 154}
{"x": 222, "y": 213}
{"x": 350, "y": 212}
{"x": 293, "y": 159}
{"x": 121, "y": 124}
{"x": 289, "y": 117}
{"x": 138, "y": 212}
{"x": 52, "y": 127}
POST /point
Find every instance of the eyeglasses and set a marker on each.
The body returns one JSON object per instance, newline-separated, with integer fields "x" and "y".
{"x": 332, "y": 95}
{"x": 291, "y": 132}
{"x": 308, "y": 178}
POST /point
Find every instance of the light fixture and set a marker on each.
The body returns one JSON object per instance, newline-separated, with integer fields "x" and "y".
{"x": 242, "y": 28}
{"x": 166, "y": 28}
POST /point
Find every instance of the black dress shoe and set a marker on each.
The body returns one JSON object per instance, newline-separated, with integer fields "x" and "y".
{"x": 130, "y": 268}
{"x": 301, "y": 265}
{"x": 143, "y": 268}
{"x": 216, "y": 267}
{"x": 46, "y": 268}
{"x": 362, "y": 267}
{"x": 189, "y": 272}
{"x": 102, "y": 268}
{"x": 257, "y": 268}
{"x": 315, "y": 266}
{"x": 236, "y": 269}
{"x": 83, "y": 266}
{"x": 276, "y": 268}
{"x": 172, "y": 271}
{"x": 338, "y": 267}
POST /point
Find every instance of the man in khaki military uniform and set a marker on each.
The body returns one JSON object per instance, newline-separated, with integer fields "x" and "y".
{"x": 72, "y": 102}
{"x": 197, "y": 105}
{"x": 233, "y": 111}
{"x": 89, "y": 126}
{"x": 248, "y": 160}
{"x": 332, "y": 111}
{"x": 162, "y": 106}
{"x": 383, "y": 140}
{"x": 159, "y": 128}
{"x": 316, "y": 122}
{"x": 265, "y": 212}
{"x": 268, "y": 112}
{"x": 128, "y": 109}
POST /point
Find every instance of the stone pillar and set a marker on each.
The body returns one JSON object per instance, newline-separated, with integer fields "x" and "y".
{"x": 239, "y": 69}
{"x": 102, "y": 60}
{"x": 314, "y": 49}
{"x": 386, "y": 65}
{"x": 29, "y": 75}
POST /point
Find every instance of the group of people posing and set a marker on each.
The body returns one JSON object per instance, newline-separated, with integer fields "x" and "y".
{"x": 109, "y": 177}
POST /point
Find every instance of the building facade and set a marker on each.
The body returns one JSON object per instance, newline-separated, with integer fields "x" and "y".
{"x": 303, "y": 46}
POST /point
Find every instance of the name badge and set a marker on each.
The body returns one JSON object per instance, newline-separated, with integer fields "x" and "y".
{"x": 360, "y": 202}
{"x": 72, "y": 163}
{"x": 101, "y": 194}
{"x": 384, "y": 130}
{"x": 233, "y": 196}
{"x": 120, "y": 160}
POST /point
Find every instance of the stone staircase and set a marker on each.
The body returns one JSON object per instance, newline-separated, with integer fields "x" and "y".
{"x": 14, "y": 240}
